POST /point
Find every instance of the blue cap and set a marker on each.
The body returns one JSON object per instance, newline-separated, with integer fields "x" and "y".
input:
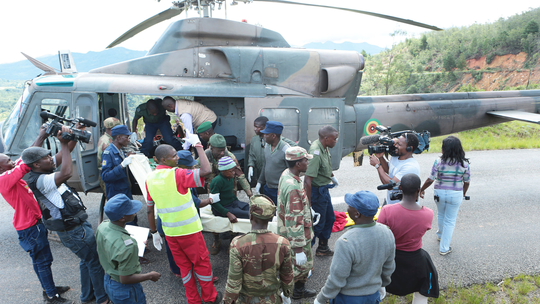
{"x": 120, "y": 130}
{"x": 120, "y": 205}
{"x": 273, "y": 127}
{"x": 185, "y": 158}
{"x": 364, "y": 202}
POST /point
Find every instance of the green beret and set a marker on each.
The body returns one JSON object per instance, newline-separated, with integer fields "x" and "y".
{"x": 261, "y": 206}
{"x": 205, "y": 126}
{"x": 218, "y": 141}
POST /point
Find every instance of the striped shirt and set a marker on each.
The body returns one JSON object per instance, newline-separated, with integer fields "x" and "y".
{"x": 450, "y": 177}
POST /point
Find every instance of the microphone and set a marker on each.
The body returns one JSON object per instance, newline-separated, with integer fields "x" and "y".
{"x": 366, "y": 140}
{"x": 87, "y": 122}
{"x": 47, "y": 115}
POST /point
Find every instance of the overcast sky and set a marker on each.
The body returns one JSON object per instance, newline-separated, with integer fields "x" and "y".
{"x": 42, "y": 27}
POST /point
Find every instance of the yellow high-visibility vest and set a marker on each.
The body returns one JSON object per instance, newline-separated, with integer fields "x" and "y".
{"x": 177, "y": 212}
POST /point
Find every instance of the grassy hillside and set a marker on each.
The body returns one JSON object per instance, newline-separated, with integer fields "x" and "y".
{"x": 439, "y": 61}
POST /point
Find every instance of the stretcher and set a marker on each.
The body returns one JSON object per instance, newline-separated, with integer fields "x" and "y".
{"x": 140, "y": 168}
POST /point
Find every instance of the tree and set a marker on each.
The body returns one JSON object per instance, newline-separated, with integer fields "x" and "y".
{"x": 449, "y": 62}
{"x": 530, "y": 28}
{"x": 423, "y": 42}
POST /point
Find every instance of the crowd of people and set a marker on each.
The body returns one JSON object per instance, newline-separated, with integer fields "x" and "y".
{"x": 369, "y": 259}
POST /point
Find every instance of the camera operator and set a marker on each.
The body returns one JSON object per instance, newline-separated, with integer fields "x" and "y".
{"x": 398, "y": 166}
{"x": 63, "y": 211}
{"x": 27, "y": 220}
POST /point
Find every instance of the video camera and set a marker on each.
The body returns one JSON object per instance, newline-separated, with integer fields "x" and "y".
{"x": 52, "y": 128}
{"x": 386, "y": 141}
{"x": 395, "y": 194}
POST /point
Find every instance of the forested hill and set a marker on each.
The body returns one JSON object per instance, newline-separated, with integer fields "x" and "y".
{"x": 497, "y": 56}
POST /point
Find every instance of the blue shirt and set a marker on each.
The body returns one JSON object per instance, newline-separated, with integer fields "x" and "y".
{"x": 115, "y": 177}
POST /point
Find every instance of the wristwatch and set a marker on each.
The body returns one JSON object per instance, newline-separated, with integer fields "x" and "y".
{"x": 377, "y": 166}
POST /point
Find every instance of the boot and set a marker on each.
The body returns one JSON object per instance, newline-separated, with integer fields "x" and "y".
{"x": 323, "y": 249}
{"x": 216, "y": 246}
{"x": 301, "y": 292}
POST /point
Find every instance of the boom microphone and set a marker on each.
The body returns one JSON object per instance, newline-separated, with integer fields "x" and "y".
{"x": 87, "y": 122}
{"x": 47, "y": 115}
{"x": 366, "y": 140}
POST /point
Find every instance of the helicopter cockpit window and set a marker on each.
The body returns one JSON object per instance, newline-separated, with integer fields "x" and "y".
{"x": 55, "y": 106}
{"x": 320, "y": 117}
{"x": 12, "y": 122}
{"x": 289, "y": 117}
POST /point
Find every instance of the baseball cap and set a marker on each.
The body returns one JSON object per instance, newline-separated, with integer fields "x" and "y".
{"x": 297, "y": 153}
{"x": 120, "y": 205}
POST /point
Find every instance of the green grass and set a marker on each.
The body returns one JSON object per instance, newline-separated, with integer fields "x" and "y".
{"x": 520, "y": 289}
{"x": 510, "y": 135}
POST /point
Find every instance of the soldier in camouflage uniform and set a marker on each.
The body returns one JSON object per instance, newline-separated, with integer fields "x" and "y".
{"x": 260, "y": 262}
{"x": 294, "y": 218}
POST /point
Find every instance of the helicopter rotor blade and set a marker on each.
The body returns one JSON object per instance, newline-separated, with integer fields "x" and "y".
{"x": 406, "y": 21}
{"x": 166, "y": 14}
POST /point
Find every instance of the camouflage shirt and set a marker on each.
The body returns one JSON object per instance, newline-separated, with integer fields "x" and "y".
{"x": 240, "y": 176}
{"x": 293, "y": 211}
{"x": 259, "y": 264}
{"x": 104, "y": 141}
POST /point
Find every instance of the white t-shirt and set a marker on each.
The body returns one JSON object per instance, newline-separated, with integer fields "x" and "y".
{"x": 47, "y": 186}
{"x": 398, "y": 168}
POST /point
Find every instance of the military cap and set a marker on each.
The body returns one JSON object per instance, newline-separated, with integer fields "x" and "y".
{"x": 205, "y": 126}
{"x": 273, "y": 127}
{"x": 364, "y": 202}
{"x": 33, "y": 154}
{"x": 120, "y": 205}
{"x": 120, "y": 130}
{"x": 217, "y": 141}
{"x": 297, "y": 153}
{"x": 261, "y": 206}
{"x": 111, "y": 122}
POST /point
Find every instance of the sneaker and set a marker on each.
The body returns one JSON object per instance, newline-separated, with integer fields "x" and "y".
{"x": 438, "y": 239}
{"x": 303, "y": 293}
{"x": 57, "y": 299}
{"x": 218, "y": 299}
{"x": 445, "y": 253}
{"x": 59, "y": 290}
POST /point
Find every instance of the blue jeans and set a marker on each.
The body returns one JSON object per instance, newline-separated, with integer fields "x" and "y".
{"x": 166, "y": 131}
{"x": 81, "y": 241}
{"x": 447, "y": 210}
{"x": 369, "y": 299}
{"x": 238, "y": 208}
{"x": 34, "y": 241}
{"x": 271, "y": 193}
{"x": 321, "y": 202}
{"x": 124, "y": 293}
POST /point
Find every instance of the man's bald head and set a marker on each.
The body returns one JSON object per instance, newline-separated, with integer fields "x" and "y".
{"x": 162, "y": 151}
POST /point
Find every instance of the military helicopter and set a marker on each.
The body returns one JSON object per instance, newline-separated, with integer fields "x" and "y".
{"x": 242, "y": 71}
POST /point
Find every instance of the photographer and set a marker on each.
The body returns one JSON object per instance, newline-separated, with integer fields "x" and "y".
{"x": 64, "y": 212}
{"x": 398, "y": 166}
{"x": 27, "y": 220}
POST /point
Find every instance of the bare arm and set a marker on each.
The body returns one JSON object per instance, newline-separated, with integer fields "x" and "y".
{"x": 205, "y": 164}
{"x": 135, "y": 123}
{"x": 66, "y": 171}
{"x": 307, "y": 187}
{"x": 151, "y": 218}
{"x": 41, "y": 138}
{"x": 140, "y": 277}
{"x": 426, "y": 185}
{"x": 465, "y": 187}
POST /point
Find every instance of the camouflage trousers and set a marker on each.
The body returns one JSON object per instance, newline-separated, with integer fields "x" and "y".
{"x": 301, "y": 272}
{"x": 271, "y": 299}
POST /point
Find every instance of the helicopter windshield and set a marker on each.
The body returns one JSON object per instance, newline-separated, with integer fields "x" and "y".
{"x": 9, "y": 127}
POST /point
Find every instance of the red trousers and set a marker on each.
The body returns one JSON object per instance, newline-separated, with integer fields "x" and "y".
{"x": 191, "y": 256}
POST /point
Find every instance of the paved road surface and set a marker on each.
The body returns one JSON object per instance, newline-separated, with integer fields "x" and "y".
{"x": 496, "y": 234}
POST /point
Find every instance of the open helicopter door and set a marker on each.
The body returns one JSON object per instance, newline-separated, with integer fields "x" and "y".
{"x": 302, "y": 117}
{"x": 85, "y": 106}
